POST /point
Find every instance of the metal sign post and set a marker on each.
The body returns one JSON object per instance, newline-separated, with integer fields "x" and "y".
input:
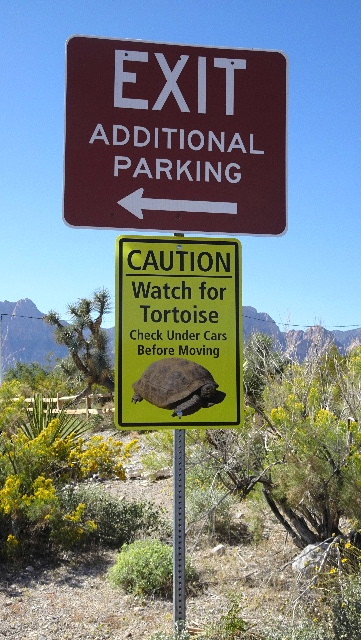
{"x": 179, "y": 526}
{"x": 179, "y": 551}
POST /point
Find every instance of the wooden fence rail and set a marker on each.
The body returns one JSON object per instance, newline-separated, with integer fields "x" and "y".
{"x": 88, "y": 409}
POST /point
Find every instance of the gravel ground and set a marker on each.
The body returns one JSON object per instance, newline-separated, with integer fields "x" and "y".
{"x": 72, "y": 600}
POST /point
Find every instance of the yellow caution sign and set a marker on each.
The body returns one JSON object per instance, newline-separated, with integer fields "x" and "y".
{"x": 178, "y": 333}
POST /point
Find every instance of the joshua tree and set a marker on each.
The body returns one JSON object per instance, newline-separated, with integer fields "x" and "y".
{"x": 86, "y": 340}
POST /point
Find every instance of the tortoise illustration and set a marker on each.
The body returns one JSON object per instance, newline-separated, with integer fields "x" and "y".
{"x": 176, "y": 383}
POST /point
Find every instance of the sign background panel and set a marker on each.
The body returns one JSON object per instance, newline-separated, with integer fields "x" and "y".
{"x": 216, "y": 345}
{"x": 92, "y": 190}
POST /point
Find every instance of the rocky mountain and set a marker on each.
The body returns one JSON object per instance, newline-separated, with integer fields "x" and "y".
{"x": 300, "y": 345}
{"x": 254, "y": 322}
{"x": 348, "y": 339}
{"x": 25, "y": 337}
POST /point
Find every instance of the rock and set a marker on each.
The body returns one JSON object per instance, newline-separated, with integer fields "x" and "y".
{"x": 159, "y": 474}
{"x": 219, "y": 550}
{"x": 310, "y": 558}
{"x": 132, "y": 474}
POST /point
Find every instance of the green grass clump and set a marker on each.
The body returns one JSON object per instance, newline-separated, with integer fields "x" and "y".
{"x": 145, "y": 567}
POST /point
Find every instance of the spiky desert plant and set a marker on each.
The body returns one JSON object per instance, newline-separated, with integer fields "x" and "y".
{"x": 41, "y": 413}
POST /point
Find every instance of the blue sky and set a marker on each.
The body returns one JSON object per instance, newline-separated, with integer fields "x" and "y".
{"x": 310, "y": 275}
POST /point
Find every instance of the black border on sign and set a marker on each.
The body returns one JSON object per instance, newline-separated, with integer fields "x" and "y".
{"x": 119, "y": 343}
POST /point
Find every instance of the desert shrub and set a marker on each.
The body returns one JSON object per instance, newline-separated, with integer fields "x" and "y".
{"x": 307, "y": 631}
{"x": 211, "y": 509}
{"x": 101, "y": 456}
{"x": 160, "y": 449}
{"x": 61, "y": 458}
{"x": 34, "y": 378}
{"x": 118, "y": 521}
{"x": 300, "y": 441}
{"x": 29, "y": 375}
{"x": 337, "y": 602}
{"x": 70, "y": 529}
{"x": 33, "y": 522}
{"x": 34, "y": 466}
{"x": 39, "y": 415}
{"x": 145, "y": 567}
{"x": 341, "y": 615}
{"x": 257, "y": 510}
{"x": 208, "y": 507}
{"x": 230, "y": 625}
{"x": 101, "y": 422}
{"x": 315, "y": 453}
{"x": 11, "y": 411}
{"x": 346, "y": 610}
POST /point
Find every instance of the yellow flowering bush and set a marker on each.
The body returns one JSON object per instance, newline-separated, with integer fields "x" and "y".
{"x": 279, "y": 416}
{"x": 102, "y": 457}
{"x": 11, "y": 546}
{"x": 70, "y": 457}
{"x": 10, "y": 495}
{"x": 294, "y": 406}
{"x": 40, "y": 508}
{"x": 33, "y": 471}
{"x": 72, "y": 528}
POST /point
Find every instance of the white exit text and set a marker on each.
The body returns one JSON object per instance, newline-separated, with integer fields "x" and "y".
{"x": 122, "y": 77}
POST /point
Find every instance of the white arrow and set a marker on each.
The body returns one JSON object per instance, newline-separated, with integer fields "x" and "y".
{"x": 135, "y": 203}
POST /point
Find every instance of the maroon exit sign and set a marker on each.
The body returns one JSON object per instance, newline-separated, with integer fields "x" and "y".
{"x": 172, "y": 137}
